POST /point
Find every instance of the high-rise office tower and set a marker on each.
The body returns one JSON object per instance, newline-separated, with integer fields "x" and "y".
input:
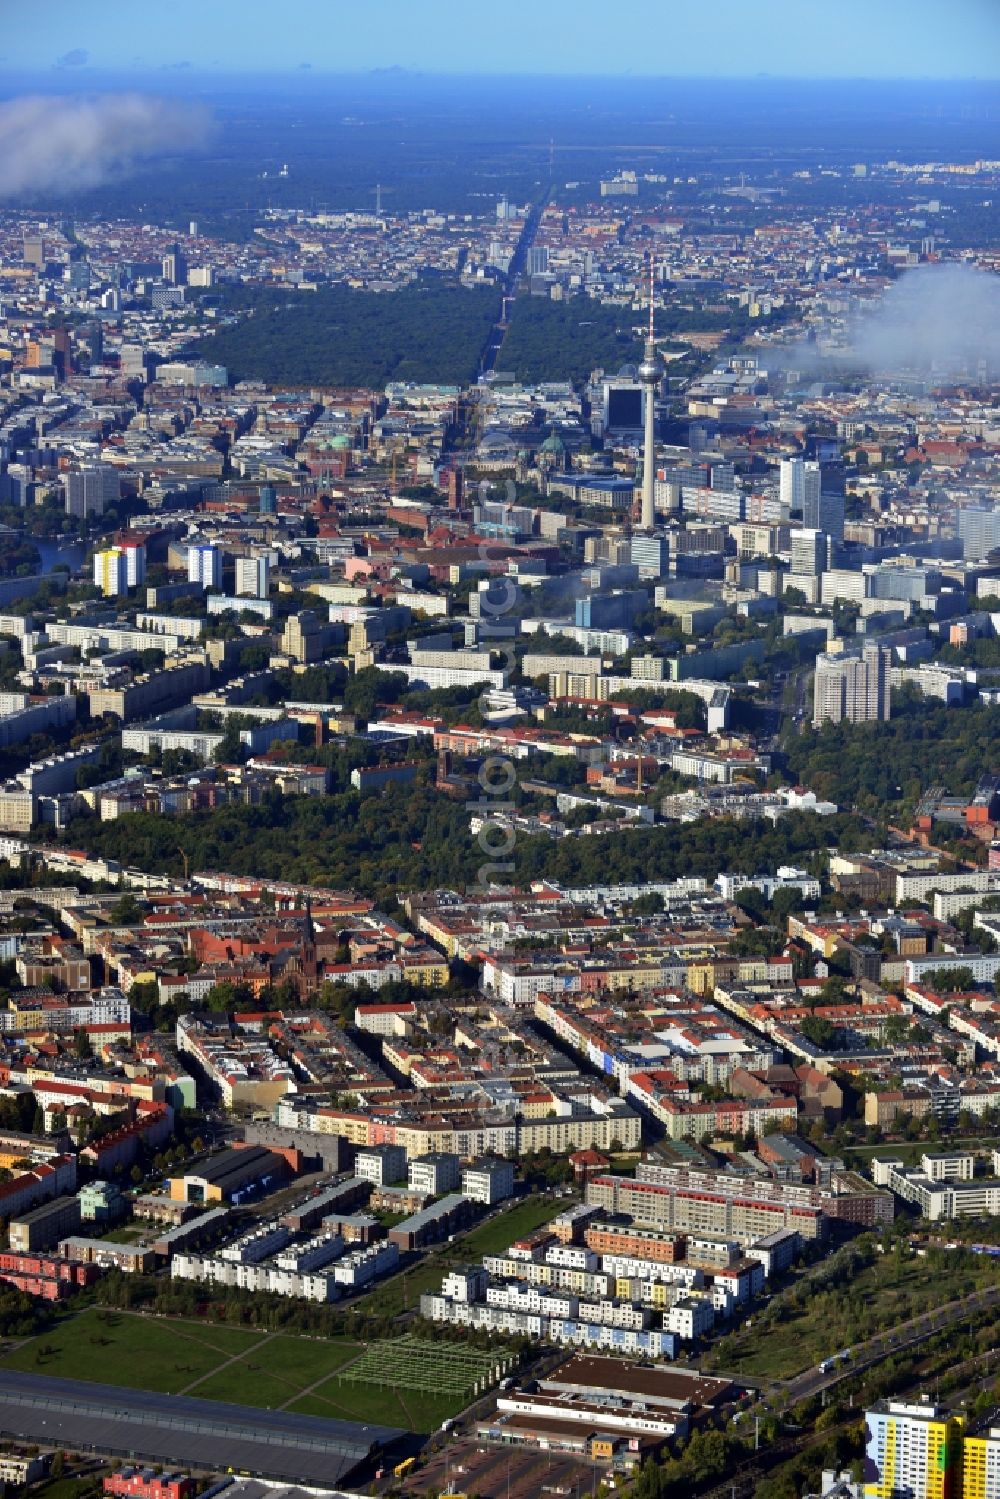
{"x": 651, "y": 554}
{"x": 94, "y": 336}
{"x": 456, "y": 488}
{"x": 979, "y": 528}
{"x": 823, "y": 512}
{"x": 34, "y": 251}
{"x": 649, "y": 374}
{"x": 175, "y": 267}
{"x": 88, "y": 491}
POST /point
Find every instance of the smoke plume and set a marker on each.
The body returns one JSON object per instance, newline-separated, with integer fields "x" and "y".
{"x": 934, "y": 316}
{"x": 65, "y": 145}
{"x": 941, "y": 318}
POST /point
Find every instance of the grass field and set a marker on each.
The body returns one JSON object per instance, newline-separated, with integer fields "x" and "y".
{"x": 403, "y": 1292}
{"x": 211, "y": 1362}
{"x": 497, "y": 1233}
{"x": 138, "y": 1352}
{"x": 411, "y": 1409}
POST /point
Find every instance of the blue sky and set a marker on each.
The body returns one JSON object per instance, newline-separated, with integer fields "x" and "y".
{"x": 736, "y": 38}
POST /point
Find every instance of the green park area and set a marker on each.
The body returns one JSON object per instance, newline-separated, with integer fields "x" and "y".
{"x": 855, "y": 1294}
{"x": 212, "y": 1362}
{"x": 429, "y": 331}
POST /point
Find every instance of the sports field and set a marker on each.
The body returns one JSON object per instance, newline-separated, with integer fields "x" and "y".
{"x": 211, "y": 1362}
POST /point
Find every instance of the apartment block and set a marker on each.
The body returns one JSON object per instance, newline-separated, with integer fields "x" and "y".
{"x": 854, "y": 689}
{"x": 488, "y": 1181}
{"x": 434, "y": 1173}
{"x": 914, "y": 1450}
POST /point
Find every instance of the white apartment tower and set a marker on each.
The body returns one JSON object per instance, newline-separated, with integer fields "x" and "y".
{"x": 808, "y": 552}
{"x": 799, "y": 483}
{"x": 205, "y": 566}
{"x": 253, "y": 576}
{"x": 852, "y": 688}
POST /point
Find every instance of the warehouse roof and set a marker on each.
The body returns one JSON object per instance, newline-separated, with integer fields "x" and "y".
{"x": 432, "y": 1214}
{"x": 239, "y": 1164}
{"x": 144, "y": 1426}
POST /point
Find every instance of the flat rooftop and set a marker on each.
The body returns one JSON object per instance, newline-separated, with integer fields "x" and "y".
{"x": 675, "y": 1388}
{"x": 140, "y": 1425}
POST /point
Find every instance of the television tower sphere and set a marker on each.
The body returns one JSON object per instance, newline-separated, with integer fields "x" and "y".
{"x": 649, "y": 369}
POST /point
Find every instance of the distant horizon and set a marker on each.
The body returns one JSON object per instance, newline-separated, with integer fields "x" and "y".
{"x": 877, "y": 40}
{"x": 78, "y": 76}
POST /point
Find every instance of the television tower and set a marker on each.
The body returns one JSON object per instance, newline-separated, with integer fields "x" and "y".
{"x": 649, "y": 375}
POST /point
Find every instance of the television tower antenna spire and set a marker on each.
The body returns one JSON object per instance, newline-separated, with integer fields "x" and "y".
{"x": 649, "y": 376}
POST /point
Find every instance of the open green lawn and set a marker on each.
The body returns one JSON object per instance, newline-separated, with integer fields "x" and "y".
{"x": 277, "y": 1373}
{"x": 491, "y": 1237}
{"x": 223, "y": 1363}
{"x": 68, "y": 1488}
{"x": 403, "y": 1292}
{"x": 143, "y": 1353}
{"x": 365, "y": 1402}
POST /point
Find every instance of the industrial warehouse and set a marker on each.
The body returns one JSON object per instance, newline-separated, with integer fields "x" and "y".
{"x": 175, "y": 1429}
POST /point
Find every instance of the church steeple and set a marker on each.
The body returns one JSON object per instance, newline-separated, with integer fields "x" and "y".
{"x": 309, "y": 931}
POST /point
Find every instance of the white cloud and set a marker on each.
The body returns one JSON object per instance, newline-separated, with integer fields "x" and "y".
{"x": 64, "y": 145}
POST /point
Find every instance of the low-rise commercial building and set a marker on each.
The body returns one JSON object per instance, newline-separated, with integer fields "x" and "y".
{"x": 433, "y": 1223}
{"x": 231, "y": 1176}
